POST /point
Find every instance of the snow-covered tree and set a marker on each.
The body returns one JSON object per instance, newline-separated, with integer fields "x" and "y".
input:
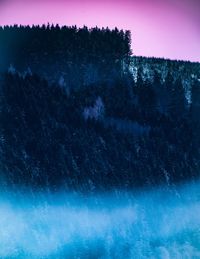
{"x": 11, "y": 69}
{"x": 94, "y": 112}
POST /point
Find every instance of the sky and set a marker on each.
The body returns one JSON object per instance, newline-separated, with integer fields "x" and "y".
{"x": 160, "y": 28}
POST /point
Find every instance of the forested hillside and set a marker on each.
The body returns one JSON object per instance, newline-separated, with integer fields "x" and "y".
{"x": 74, "y": 56}
{"x": 135, "y": 124}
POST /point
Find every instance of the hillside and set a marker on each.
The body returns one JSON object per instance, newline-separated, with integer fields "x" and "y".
{"x": 135, "y": 124}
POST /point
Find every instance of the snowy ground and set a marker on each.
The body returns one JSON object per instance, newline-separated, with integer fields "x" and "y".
{"x": 151, "y": 224}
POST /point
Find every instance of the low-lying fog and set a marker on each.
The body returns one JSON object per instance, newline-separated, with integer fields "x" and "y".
{"x": 164, "y": 223}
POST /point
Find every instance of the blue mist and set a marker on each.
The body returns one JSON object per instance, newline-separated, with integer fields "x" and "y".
{"x": 163, "y": 223}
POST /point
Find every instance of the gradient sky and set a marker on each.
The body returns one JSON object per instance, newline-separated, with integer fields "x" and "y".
{"x": 169, "y": 28}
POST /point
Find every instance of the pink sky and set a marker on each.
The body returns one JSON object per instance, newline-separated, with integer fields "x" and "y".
{"x": 169, "y": 28}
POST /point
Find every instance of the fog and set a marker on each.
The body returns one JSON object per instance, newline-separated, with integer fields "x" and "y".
{"x": 161, "y": 223}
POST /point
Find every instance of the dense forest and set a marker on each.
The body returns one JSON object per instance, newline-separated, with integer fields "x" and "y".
{"x": 135, "y": 125}
{"x": 80, "y": 56}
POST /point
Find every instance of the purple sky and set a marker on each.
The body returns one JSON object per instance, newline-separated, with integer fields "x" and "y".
{"x": 169, "y": 28}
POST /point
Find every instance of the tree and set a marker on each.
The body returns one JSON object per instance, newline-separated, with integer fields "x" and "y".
{"x": 195, "y": 107}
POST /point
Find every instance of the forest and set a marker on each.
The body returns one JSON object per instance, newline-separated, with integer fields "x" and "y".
{"x": 80, "y": 56}
{"x": 104, "y": 120}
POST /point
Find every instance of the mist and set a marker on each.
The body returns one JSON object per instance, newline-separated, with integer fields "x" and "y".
{"x": 161, "y": 223}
